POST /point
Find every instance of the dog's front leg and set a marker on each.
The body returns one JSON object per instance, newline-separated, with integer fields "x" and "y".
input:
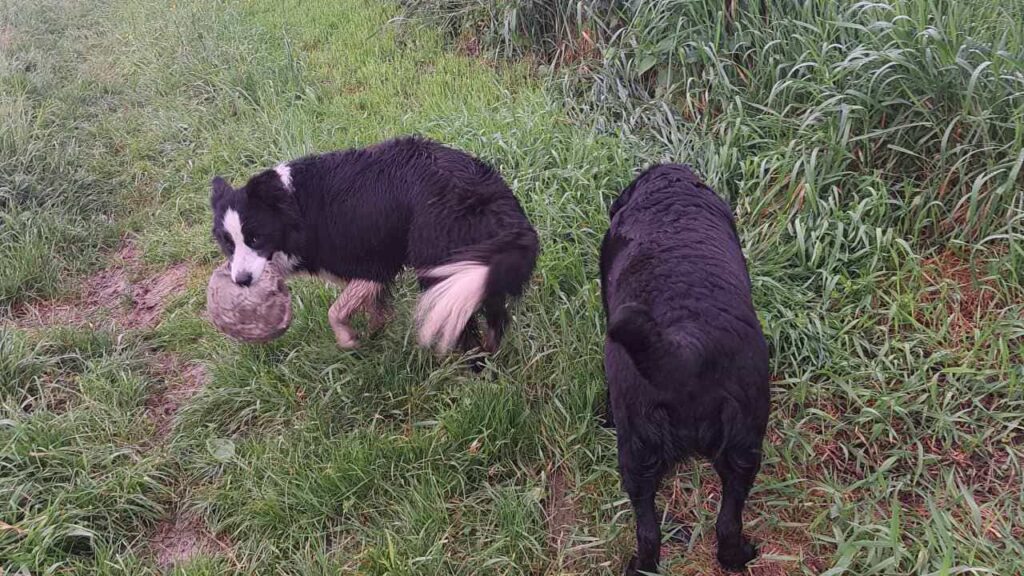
{"x": 358, "y": 294}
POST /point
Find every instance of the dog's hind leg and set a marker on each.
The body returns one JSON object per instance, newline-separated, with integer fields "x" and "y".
{"x": 358, "y": 294}
{"x": 469, "y": 340}
{"x": 640, "y": 478}
{"x": 496, "y": 316}
{"x": 737, "y": 468}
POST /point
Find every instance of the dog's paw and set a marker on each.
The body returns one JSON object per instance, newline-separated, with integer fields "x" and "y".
{"x": 346, "y": 337}
{"x": 736, "y": 559}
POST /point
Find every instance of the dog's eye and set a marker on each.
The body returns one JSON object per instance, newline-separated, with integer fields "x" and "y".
{"x": 255, "y": 241}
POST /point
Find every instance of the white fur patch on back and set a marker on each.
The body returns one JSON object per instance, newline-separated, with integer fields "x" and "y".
{"x": 243, "y": 259}
{"x": 445, "y": 309}
{"x": 284, "y": 172}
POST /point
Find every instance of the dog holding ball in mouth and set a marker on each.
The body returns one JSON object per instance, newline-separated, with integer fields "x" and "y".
{"x": 358, "y": 217}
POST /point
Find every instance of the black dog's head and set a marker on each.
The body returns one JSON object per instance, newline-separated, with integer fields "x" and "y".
{"x": 255, "y": 223}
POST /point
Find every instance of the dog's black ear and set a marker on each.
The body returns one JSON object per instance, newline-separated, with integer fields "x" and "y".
{"x": 220, "y": 187}
{"x": 266, "y": 189}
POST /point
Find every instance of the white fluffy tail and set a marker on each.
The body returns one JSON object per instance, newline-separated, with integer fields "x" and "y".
{"x": 445, "y": 309}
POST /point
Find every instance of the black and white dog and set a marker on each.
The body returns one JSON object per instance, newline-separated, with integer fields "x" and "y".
{"x": 362, "y": 215}
{"x": 685, "y": 359}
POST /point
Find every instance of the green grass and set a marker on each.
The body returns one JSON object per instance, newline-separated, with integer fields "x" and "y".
{"x": 891, "y": 302}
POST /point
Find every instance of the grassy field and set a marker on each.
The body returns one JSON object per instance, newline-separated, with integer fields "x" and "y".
{"x": 884, "y": 238}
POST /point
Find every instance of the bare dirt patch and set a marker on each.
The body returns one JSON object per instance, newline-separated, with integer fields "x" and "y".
{"x": 182, "y": 538}
{"x": 94, "y": 307}
{"x": 151, "y": 295}
{"x": 109, "y": 299}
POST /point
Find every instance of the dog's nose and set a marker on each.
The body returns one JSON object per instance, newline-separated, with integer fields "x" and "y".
{"x": 244, "y": 279}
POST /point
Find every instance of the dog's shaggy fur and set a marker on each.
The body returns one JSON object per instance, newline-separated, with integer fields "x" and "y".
{"x": 685, "y": 359}
{"x": 360, "y": 216}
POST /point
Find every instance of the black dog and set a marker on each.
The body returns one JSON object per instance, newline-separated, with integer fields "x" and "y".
{"x": 685, "y": 358}
{"x": 360, "y": 216}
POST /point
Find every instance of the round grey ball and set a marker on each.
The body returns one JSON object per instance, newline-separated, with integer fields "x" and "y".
{"x": 260, "y": 312}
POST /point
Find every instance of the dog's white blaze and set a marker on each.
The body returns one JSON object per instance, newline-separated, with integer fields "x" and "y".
{"x": 284, "y": 172}
{"x": 244, "y": 259}
{"x": 446, "y": 307}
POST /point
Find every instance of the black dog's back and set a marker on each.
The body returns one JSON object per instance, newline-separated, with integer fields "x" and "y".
{"x": 685, "y": 358}
{"x": 677, "y": 293}
{"x": 403, "y": 202}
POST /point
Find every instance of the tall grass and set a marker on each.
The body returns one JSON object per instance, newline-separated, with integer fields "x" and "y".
{"x": 922, "y": 99}
{"x": 552, "y": 29}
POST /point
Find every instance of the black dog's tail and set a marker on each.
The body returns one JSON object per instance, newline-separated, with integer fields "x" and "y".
{"x": 500, "y": 266}
{"x": 659, "y": 358}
